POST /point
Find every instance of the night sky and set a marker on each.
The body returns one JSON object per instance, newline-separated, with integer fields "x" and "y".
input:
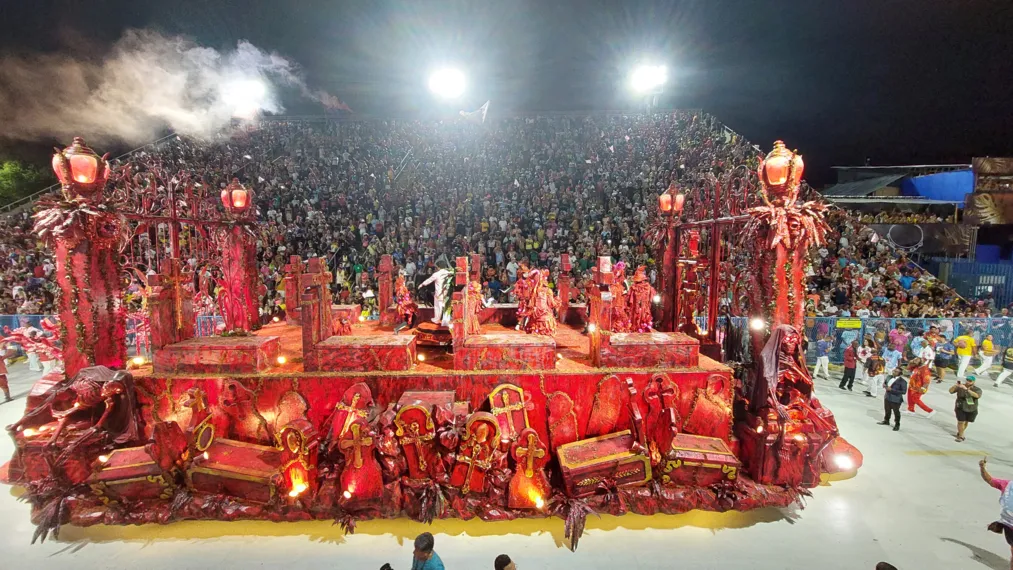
{"x": 901, "y": 82}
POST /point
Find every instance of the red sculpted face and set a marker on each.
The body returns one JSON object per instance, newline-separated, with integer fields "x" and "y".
{"x": 790, "y": 343}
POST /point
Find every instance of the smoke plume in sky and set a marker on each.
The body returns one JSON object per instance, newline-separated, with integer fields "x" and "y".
{"x": 146, "y": 82}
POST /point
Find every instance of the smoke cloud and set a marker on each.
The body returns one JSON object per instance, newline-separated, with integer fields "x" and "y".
{"x": 147, "y": 82}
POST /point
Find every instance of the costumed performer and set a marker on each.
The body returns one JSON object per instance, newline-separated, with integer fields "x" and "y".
{"x": 620, "y": 318}
{"x": 444, "y": 280}
{"x": 921, "y": 377}
{"x": 542, "y": 305}
{"x": 406, "y": 308}
{"x": 640, "y": 300}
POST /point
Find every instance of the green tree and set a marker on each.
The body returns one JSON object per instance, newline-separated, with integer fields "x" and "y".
{"x": 18, "y": 179}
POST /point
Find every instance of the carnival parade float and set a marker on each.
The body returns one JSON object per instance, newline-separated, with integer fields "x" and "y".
{"x": 539, "y": 409}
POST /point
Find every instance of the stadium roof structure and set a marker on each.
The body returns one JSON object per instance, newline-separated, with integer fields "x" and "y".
{"x": 861, "y": 188}
{"x": 909, "y": 200}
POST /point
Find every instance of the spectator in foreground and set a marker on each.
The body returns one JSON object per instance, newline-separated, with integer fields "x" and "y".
{"x": 503, "y": 562}
{"x": 1004, "y": 525}
{"x": 966, "y": 407}
{"x": 424, "y": 557}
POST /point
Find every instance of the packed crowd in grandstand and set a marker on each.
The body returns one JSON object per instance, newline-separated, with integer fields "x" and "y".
{"x": 515, "y": 189}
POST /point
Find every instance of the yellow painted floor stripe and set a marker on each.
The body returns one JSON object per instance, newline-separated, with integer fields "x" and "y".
{"x": 947, "y": 452}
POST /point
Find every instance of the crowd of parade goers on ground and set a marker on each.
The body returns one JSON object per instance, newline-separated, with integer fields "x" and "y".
{"x": 857, "y": 274}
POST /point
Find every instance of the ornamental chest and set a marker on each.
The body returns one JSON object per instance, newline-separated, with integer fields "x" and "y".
{"x": 698, "y": 461}
{"x": 614, "y": 457}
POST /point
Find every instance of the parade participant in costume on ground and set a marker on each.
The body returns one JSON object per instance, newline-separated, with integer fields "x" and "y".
{"x": 921, "y": 377}
{"x": 987, "y": 354}
{"x": 640, "y": 300}
{"x": 1004, "y": 525}
{"x": 3, "y": 372}
{"x": 1007, "y": 367}
{"x": 620, "y": 318}
{"x": 875, "y": 370}
{"x": 864, "y": 352}
{"x": 966, "y": 347}
{"x": 405, "y": 306}
{"x": 542, "y": 305}
{"x": 444, "y": 280}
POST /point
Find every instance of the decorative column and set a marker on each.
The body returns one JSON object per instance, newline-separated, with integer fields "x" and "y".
{"x": 240, "y": 280}
{"x": 459, "y": 307}
{"x": 783, "y": 230}
{"x": 385, "y": 297}
{"x": 670, "y": 205}
{"x": 86, "y": 231}
{"x": 563, "y": 286}
{"x": 600, "y": 309}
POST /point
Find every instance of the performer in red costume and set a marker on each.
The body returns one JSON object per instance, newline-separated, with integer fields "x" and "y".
{"x": 406, "y": 307}
{"x": 921, "y": 377}
{"x": 620, "y": 317}
{"x": 542, "y": 305}
{"x": 475, "y": 305}
{"x": 3, "y": 373}
{"x": 522, "y": 292}
{"x": 640, "y": 299}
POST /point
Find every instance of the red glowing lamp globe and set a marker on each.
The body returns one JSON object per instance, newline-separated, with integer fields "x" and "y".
{"x": 236, "y": 198}
{"x": 80, "y": 167}
{"x": 671, "y": 201}
{"x": 781, "y": 167}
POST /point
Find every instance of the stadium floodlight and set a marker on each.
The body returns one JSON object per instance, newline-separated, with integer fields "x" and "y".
{"x": 447, "y": 83}
{"x": 648, "y": 78}
{"x": 245, "y": 96}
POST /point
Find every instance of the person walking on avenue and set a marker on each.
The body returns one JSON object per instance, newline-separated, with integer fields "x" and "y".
{"x": 875, "y": 371}
{"x": 891, "y": 358}
{"x": 921, "y": 377}
{"x": 1004, "y": 525}
{"x": 966, "y": 407}
{"x": 823, "y": 347}
{"x": 424, "y": 557}
{"x": 1007, "y": 367}
{"x": 945, "y": 353}
{"x": 850, "y": 363}
{"x": 987, "y": 354}
{"x": 966, "y": 348}
{"x": 895, "y": 386}
{"x": 864, "y": 353}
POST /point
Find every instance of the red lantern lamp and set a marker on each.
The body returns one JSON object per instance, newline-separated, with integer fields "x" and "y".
{"x": 680, "y": 201}
{"x": 781, "y": 167}
{"x": 665, "y": 202}
{"x": 235, "y": 197}
{"x": 81, "y": 167}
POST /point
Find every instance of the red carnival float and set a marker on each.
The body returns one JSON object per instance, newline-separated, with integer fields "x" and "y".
{"x": 326, "y": 417}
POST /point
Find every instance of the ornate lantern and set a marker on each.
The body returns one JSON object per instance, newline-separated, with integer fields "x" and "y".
{"x": 781, "y": 168}
{"x": 236, "y": 198}
{"x": 670, "y": 201}
{"x": 80, "y": 168}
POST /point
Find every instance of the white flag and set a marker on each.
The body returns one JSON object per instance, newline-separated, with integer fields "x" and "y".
{"x": 612, "y": 148}
{"x": 516, "y": 183}
{"x": 477, "y": 115}
{"x": 627, "y": 138}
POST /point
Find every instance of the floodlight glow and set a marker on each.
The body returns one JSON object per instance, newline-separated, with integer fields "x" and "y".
{"x": 757, "y": 324}
{"x": 447, "y": 83}
{"x": 646, "y": 78}
{"x": 246, "y": 97}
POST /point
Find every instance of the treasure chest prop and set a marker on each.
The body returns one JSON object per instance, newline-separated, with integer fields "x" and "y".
{"x": 615, "y": 457}
{"x": 773, "y": 458}
{"x": 698, "y": 461}
{"x": 142, "y": 472}
{"x": 257, "y": 472}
